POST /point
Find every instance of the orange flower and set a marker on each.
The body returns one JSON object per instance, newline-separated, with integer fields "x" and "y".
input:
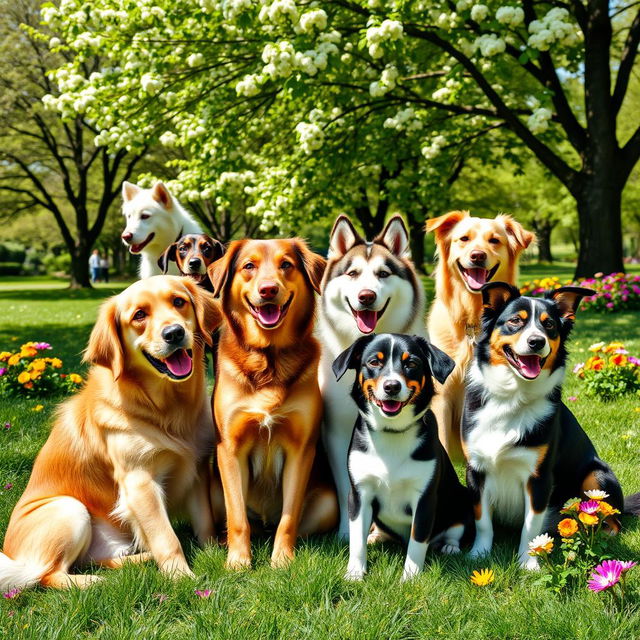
{"x": 56, "y": 363}
{"x": 607, "y": 510}
{"x": 594, "y": 363}
{"x": 589, "y": 519}
{"x": 35, "y": 374}
{"x": 24, "y": 377}
{"x": 28, "y": 352}
{"x": 38, "y": 365}
{"x": 29, "y": 385}
{"x": 14, "y": 359}
{"x": 618, "y": 359}
{"x": 75, "y": 378}
{"x": 567, "y": 527}
{"x": 612, "y": 346}
{"x": 5, "y": 355}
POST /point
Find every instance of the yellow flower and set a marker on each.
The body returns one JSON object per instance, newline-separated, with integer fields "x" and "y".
{"x": 589, "y": 519}
{"x": 613, "y": 346}
{"x": 56, "y": 363}
{"x": 596, "y": 347}
{"x": 38, "y": 407}
{"x": 483, "y": 577}
{"x": 567, "y": 527}
{"x": 14, "y": 359}
{"x": 75, "y": 378}
{"x": 38, "y": 365}
{"x": 24, "y": 377}
{"x": 594, "y": 363}
{"x": 618, "y": 360}
{"x": 607, "y": 510}
{"x": 35, "y": 374}
{"x": 5, "y": 355}
{"x": 28, "y": 352}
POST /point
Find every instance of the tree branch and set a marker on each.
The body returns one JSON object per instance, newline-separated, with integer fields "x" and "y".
{"x": 627, "y": 61}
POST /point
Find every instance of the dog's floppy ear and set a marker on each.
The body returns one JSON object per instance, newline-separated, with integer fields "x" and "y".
{"x": 312, "y": 264}
{"x": 442, "y": 225}
{"x": 568, "y": 300}
{"x": 218, "y": 249}
{"x": 350, "y": 357}
{"x": 129, "y": 191}
{"x": 105, "y": 343}
{"x": 519, "y": 238}
{"x": 396, "y": 237}
{"x": 207, "y": 310}
{"x": 161, "y": 195}
{"x": 440, "y": 363}
{"x": 496, "y": 295}
{"x": 221, "y": 271}
{"x": 343, "y": 237}
{"x": 167, "y": 256}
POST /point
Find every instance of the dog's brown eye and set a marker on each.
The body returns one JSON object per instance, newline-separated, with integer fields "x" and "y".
{"x": 353, "y": 273}
{"x": 494, "y": 240}
{"x": 374, "y": 362}
{"x": 206, "y": 250}
{"x": 384, "y": 274}
{"x": 249, "y": 266}
{"x": 548, "y": 324}
{"x": 179, "y": 302}
{"x": 464, "y": 239}
{"x": 182, "y": 250}
{"x": 410, "y": 364}
{"x": 516, "y": 321}
{"x": 145, "y": 216}
{"x": 139, "y": 315}
{"x": 286, "y": 265}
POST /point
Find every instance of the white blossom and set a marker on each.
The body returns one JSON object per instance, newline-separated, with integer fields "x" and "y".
{"x": 490, "y": 44}
{"x": 150, "y": 83}
{"x": 538, "y": 121}
{"x": 512, "y": 16}
{"x": 195, "y": 59}
{"x": 316, "y": 19}
{"x": 479, "y": 12}
{"x": 310, "y": 135}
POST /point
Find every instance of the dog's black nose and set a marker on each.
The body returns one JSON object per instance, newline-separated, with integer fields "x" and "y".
{"x": 366, "y": 296}
{"x": 536, "y": 342}
{"x": 391, "y": 387}
{"x": 173, "y": 333}
{"x": 477, "y": 256}
{"x": 195, "y": 263}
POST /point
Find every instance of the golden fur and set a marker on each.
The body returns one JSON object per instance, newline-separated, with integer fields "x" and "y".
{"x": 267, "y": 403}
{"x": 130, "y": 445}
{"x": 454, "y": 318}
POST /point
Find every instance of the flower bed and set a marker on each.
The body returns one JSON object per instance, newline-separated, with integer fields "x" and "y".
{"x": 29, "y": 373}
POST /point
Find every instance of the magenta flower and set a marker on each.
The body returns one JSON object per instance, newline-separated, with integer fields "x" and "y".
{"x": 590, "y": 506}
{"x": 605, "y": 575}
{"x": 3, "y": 370}
{"x": 628, "y": 564}
{"x": 609, "y": 305}
{"x": 634, "y": 360}
{"x": 42, "y": 345}
{"x": 10, "y": 595}
{"x": 7, "y": 425}
{"x": 203, "y": 593}
{"x": 8, "y": 486}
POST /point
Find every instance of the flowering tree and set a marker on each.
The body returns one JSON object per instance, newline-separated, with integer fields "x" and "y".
{"x": 201, "y": 74}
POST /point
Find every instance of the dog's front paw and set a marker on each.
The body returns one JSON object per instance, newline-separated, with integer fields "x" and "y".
{"x": 449, "y": 549}
{"x": 530, "y": 563}
{"x": 176, "y": 568}
{"x": 354, "y": 573}
{"x": 281, "y": 559}
{"x": 409, "y": 573}
{"x": 237, "y": 561}
{"x": 479, "y": 550}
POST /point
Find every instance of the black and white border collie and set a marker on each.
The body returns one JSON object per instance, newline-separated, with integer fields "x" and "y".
{"x": 526, "y": 453}
{"x": 401, "y": 477}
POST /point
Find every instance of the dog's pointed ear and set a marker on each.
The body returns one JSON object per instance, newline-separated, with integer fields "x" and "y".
{"x": 312, "y": 264}
{"x": 396, "y": 238}
{"x": 440, "y": 363}
{"x": 343, "y": 237}
{"x": 105, "y": 346}
{"x": 161, "y": 195}
{"x": 167, "y": 256}
{"x": 568, "y": 300}
{"x": 519, "y": 238}
{"x": 496, "y": 295}
{"x": 442, "y": 225}
{"x": 221, "y": 271}
{"x": 129, "y": 191}
{"x": 207, "y": 309}
{"x": 350, "y": 357}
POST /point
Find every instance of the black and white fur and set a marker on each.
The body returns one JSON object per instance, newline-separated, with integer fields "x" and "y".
{"x": 400, "y": 475}
{"x": 362, "y": 278}
{"x": 526, "y": 453}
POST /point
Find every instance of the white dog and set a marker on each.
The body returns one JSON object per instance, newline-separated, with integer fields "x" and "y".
{"x": 155, "y": 219}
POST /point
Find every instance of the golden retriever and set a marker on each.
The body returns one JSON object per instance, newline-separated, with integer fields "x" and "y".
{"x": 133, "y": 443}
{"x": 267, "y": 405}
{"x": 471, "y": 252}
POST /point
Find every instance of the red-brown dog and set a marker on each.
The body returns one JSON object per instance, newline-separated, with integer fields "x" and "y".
{"x": 267, "y": 404}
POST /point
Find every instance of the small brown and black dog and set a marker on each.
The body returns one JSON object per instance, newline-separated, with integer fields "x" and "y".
{"x": 267, "y": 404}
{"x": 193, "y": 254}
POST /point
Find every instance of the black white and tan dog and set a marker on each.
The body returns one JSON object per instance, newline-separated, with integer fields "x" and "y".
{"x": 193, "y": 253}
{"x": 526, "y": 453}
{"x": 368, "y": 286}
{"x": 401, "y": 477}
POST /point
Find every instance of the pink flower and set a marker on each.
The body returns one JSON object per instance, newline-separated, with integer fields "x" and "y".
{"x": 8, "y": 486}
{"x": 3, "y": 370}
{"x": 590, "y": 506}
{"x": 7, "y": 425}
{"x": 609, "y": 305}
{"x": 605, "y": 575}
{"x": 578, "y": 367}
{"x": 628, "y": 564}
{"x": 633, "y": 360}
{"x": 624, "y": 351}
{"x": 572, "y": 398}
{"x": 203, "y": 593}
{"x": 42, "y": 345}
{"x": 10, "y": 595}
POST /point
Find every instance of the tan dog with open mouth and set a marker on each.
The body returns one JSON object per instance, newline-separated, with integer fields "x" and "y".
{"x": 471, "y": 252}
{"x": 133, "y": 444}
{"x": 267, "y": 403}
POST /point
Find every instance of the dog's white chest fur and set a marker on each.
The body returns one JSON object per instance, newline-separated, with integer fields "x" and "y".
{"x": 387, "y": 472}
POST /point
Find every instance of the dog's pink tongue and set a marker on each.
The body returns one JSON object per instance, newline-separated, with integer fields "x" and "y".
{"x": 269, "y": 313}
{"x": 476, "y": 277}
{"x": 391, "y": 406}
{"x": 530, "y": 366}
{"x": 366, "y": 320}
{"x": 179, "y": 363}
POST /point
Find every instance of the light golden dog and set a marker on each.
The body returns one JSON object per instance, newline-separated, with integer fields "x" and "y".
{"x": 471, "y": 252}
{"x": 267, "y": 403}
{"x": 133, "y": 443}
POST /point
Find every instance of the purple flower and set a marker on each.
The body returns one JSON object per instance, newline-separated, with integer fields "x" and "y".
{"x": 42, "y": 345}
{"x": 3, "y": 370}
{"x": 633, "y": 360}
{"x": 8, "y": 486}
{"x": 203, "y": 593}
{"x": 605, "y": 575}
{"x": 10, "y": 595}
{"x": 589, "y": 506}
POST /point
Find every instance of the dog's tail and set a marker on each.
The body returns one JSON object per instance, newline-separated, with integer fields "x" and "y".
{"x": 632, "y": 504}
{"x": 19, "y": 575}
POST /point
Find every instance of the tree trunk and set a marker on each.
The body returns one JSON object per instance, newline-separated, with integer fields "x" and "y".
{"x": 416, "y": 241}
{"x": 600, "y": 233}
{"x": 80, "y": 265}
{"x": 543, "y": 232}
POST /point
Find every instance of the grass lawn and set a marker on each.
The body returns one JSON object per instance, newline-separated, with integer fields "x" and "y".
{"x": 309, "y": 599}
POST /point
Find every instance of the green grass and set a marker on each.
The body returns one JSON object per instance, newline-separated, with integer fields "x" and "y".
{"x": 309, "y": 599}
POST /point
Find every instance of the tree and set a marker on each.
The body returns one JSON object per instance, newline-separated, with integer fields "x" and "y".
{"x": 48, "y": 161}
{"x": 207, "y": 69}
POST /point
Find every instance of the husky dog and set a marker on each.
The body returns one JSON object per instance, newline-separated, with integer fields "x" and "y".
{"x": 367, "y": 286}
{"x": 155, "y": 219}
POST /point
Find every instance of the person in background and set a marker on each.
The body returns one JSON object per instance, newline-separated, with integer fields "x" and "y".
{"x": 94, "y": 265}
{"x": 104, "y": 268}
